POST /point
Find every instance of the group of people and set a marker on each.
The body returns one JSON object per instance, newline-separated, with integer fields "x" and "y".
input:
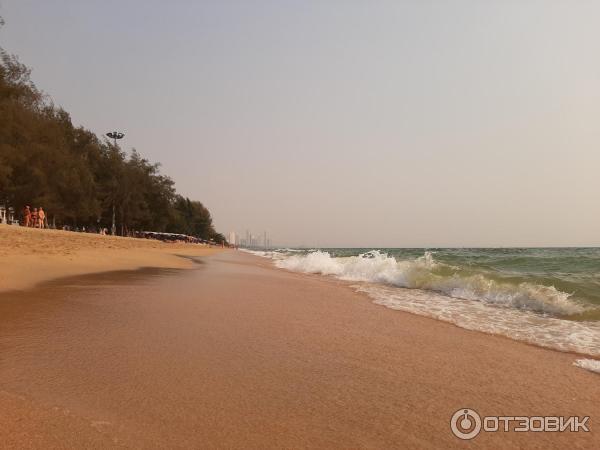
{"x": 35, "y": 218}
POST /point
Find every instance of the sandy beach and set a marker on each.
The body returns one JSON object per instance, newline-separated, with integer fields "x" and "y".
{"x": 238, "y": 354}
{"x": 358, "y": 225}
{"x": 30, "y": 255}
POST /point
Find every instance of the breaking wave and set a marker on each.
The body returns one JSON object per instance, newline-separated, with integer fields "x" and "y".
{"x": 469, "y": 298}
{"x": 426, "y": 274}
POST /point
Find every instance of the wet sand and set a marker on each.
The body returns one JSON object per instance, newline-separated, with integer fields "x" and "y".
{"x": 237, "y": 354}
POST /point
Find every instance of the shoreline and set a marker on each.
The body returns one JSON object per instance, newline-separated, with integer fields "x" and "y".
{"x": 31, "y": 256}
{"x": 529, "y": 326}
{"x": 248, "y": 355}
{"x": 124, "y": 254}
{"x": 368, "y": 298}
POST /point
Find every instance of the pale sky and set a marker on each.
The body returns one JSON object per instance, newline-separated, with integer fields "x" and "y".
{"x": 343, "y": 123}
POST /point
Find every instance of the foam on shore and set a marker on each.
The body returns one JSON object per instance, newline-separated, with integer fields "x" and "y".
{"x": 588, "y": 364}
{"x": 526, "y": 312}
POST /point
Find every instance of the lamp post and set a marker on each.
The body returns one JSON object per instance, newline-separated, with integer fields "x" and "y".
{"x": 114, "y": 135}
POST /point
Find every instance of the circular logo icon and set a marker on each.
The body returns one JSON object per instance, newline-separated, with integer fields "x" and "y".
{"x": 465, "y": 424}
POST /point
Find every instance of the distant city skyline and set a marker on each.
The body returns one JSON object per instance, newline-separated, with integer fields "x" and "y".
{"x": 250, "y": 240}
{"x": 343, "y": 124}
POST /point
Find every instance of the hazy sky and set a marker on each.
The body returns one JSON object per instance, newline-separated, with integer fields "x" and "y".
{"x": 344, "y": 123}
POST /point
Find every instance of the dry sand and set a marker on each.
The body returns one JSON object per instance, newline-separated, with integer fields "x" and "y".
{"x": 237, "y": 354}
{"x": 29, "y": 256}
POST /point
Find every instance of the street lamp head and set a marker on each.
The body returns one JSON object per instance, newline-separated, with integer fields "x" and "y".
{"x": 115, "y": 135}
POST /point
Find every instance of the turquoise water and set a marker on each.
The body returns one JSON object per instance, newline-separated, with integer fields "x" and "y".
{"x": 545, "y": 296}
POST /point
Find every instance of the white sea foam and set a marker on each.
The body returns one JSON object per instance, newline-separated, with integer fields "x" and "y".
{"x": 518, "y": 324}
{"x": 588, "y": 364}
{"x": 526, "y": 312}
{"x": 272, "y": 254}
{"x": 421, "y": 273}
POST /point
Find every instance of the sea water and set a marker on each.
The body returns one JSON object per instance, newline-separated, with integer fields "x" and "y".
{"x": 544, "y": 296}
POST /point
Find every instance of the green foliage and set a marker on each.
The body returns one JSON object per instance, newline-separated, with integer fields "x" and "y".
{"x": 190, "y": 217}
{"x": 77, "y": 177}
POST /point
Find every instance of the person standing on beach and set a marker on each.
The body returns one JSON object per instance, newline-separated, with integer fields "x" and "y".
{"x": 41, "y": 218}
{"x": 26, "y": 216}
{"x": 34, "y": 218}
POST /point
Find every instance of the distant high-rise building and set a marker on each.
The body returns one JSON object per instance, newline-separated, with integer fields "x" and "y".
{"x": 233, "y": 238}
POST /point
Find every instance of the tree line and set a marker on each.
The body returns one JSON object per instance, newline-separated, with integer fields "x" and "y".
{"x": 79, "y": 178}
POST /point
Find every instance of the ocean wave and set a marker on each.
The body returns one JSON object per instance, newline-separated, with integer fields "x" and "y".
{"x": 588, "y": 364}
{"x": 271, "y": 254}
{"x": 522, "y": 325}
{"x": 465, "y": 296}
{"x": 426, "y": 274}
